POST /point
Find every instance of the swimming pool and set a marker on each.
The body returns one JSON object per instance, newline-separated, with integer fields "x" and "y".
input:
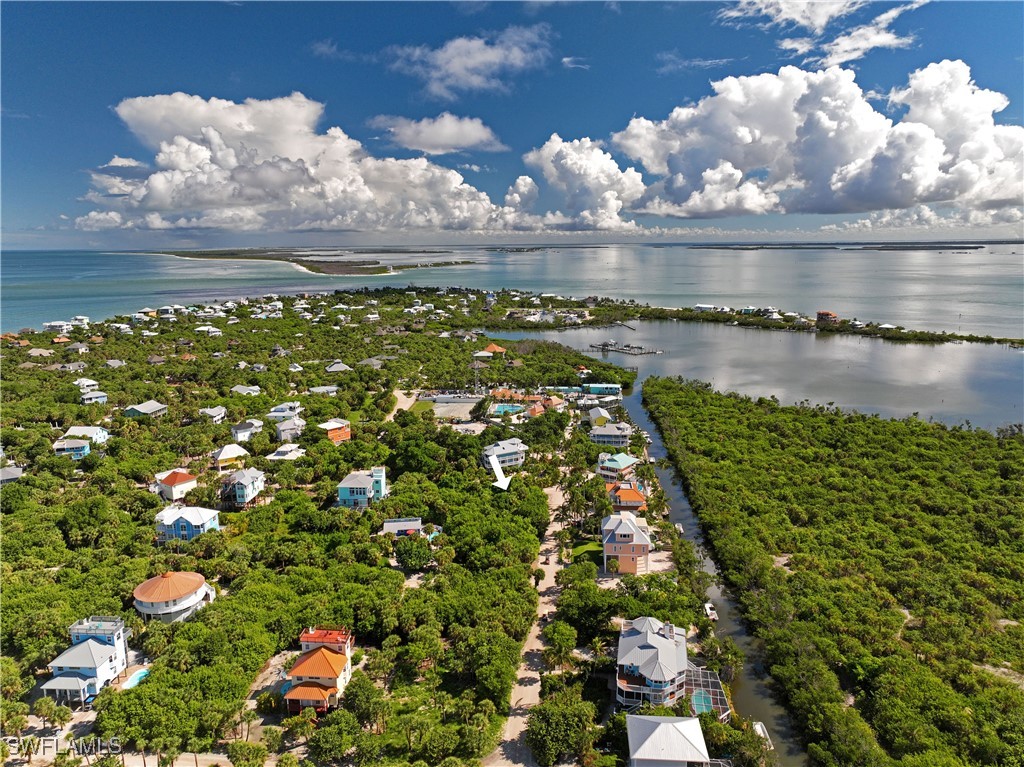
{"x": 701, "y": 701}
{"x": 135, "y": 678}
{"x": 504, "y": 408}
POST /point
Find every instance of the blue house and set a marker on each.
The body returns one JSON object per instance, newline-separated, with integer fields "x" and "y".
{"x": 183, "y": 523}
{"x": 94, "y": 398}
{"x": 242, "y": 486}
{"x": 603, "y": 389}
{"x": 77, "y": 449}
{"x": 98, "y": 655}
{"x": 360, "y": 488}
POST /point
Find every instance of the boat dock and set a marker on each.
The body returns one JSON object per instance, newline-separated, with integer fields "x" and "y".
{"x": 613, "y": 346}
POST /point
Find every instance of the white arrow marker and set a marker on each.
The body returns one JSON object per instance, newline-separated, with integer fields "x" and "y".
{"x": 502, "y": 483}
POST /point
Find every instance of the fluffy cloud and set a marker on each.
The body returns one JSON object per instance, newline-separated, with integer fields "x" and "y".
{"x": 96, "y": 221}
{"x": 814, "y": 16}
{"x": 475, "y": 63}
{"x": 811, "y": 142}
{"x": 443, "y": 134}
{"x": 595, "y": 190}
{"x": 522, "y": 195}
{"x": 794, "y": 141}
{"x": 262, "y": 164}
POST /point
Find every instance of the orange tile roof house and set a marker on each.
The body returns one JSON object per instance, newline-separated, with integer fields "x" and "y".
{"x": 173, "y": 596}
{"x": 626, "y": 496}
{"x": 319, "y": 676}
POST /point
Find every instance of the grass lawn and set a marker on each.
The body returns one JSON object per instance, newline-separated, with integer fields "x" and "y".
{"x": 421, "y": 406}
{"x": 589, "y": 550}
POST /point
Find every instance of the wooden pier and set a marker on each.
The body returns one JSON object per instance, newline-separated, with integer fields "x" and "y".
{"x": 612, "y": 346}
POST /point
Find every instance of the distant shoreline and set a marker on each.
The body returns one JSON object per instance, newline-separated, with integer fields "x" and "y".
{"x": 354, "y": 268}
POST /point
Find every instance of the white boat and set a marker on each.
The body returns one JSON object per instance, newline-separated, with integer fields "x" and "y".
{"x": 709, "y": 610}
{"x": 761, "y": 730}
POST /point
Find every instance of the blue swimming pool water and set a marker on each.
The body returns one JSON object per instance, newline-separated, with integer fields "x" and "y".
{"x": 135, "y": 678}
{"x": 506, "y": 408}
{"x": 701, "y": 702}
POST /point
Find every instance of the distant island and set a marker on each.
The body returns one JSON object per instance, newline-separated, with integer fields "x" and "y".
{"x": 316, "y": 259}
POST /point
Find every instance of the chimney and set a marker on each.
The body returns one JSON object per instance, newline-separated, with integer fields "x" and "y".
{"x": 670, "y": 631}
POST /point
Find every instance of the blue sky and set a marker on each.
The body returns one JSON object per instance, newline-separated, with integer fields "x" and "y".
{"x": 215, "y": 124}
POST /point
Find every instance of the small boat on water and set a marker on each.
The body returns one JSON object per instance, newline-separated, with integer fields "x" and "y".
{"x": 710, "y": 611}
{"x": 761, "y": 730}
{"x": 679, "y": 528}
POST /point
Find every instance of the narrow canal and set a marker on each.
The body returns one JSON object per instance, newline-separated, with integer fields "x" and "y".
{"x": 751, "y": 695}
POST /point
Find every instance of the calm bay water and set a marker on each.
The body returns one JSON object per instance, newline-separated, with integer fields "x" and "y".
{"x": 951, "y": 383}
{"x": 967, "y": 291}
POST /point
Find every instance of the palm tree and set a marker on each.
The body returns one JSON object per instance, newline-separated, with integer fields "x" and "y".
{"x": 249, "y": 716}
{"x": 60, "y": 716}
{"x": 28, "y": 747}
{"x": 195, "y": 745}
{"x": 141, "y": 743}
{"x": 44, "y": 708}
{"x": 598, "y": 646}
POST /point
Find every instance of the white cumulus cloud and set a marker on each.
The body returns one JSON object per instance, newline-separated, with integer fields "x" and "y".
{"x": 475, "y": 63}
{"x": 800, "y": 141}
{"x": 262, "y": 164}
{"x": 443, "y": 134}
{"x": 595, "y": 190}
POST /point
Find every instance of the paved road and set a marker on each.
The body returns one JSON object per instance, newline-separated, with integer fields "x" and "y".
{"x": 403, "y": 403}
{"x": 512, "y": 750}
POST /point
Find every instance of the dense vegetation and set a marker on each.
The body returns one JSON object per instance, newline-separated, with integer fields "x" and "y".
{"x": 440, "y": 655}
{"x": 881, "y": 563}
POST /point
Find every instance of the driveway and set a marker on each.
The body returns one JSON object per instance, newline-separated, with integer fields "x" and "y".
{"x": 512, "y": 749}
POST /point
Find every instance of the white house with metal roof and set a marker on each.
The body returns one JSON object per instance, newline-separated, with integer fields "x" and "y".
{"x": 216, "y": 414}
{"x": 242, "y": 432}
{"x": 95, "y": 434}
{"x": 612, "y": 434}
{"x": 285, "y": 411}
{"x": 666, "y": 741}
{"x": 509, "y": 452}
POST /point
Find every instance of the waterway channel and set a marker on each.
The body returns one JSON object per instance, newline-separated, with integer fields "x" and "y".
{"x": 955, "y": 383}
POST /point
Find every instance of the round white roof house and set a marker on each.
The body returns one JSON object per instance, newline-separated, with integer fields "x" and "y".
{"x": 173, "y": 597}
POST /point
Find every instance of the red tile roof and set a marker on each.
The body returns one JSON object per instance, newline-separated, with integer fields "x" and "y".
{"x": 325, "y": 636}
{"x": 177, "y": 478}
